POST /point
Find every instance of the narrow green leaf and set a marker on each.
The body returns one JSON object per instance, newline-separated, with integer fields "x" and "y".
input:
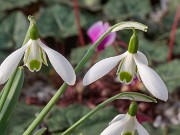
{"x": 11, "y": 100}
{"x": 1, "y": 93}
{"x": 6, "y": 90}
{"x": 40, "y": 131}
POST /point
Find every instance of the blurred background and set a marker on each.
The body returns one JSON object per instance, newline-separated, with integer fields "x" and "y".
{"x": 63, "y": 26}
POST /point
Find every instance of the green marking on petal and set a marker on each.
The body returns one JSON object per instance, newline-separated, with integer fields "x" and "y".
{"x": 128, "y": 133}
{"x": 43, "y": 56}
{"x": 26, "y": 55}
{"x": 125, "y": 76}
{"x": 35, "y": 65}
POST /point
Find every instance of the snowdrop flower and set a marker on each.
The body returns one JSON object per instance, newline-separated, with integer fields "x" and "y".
{"x": 125, "y": 124}
{"x": 96, "y": 31}
{"x": 132, "y": 63}
{"x": 34, "y": 52}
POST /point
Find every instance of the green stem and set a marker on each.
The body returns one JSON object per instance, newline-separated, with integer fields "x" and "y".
{"x": 61, "y": 90}
{"x": 118, "y": 96}
{"x": 46, "y": 109}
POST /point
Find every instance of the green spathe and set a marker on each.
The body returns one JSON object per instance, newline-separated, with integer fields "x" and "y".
{"x": 125, "y": 76}
{"x": 133, "y": 109}
{"x": 35, "y": 65}
{"x": 133, "y": 43}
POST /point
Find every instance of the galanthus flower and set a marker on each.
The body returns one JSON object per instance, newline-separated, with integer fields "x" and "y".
{"x": 96, "y": 30}
{"x": 125, "y": 124}
{"x": 34, "y": 52}
{"x": 133, "y": 63}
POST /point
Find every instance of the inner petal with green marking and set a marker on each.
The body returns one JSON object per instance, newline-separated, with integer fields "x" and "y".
{"x": 34, "y": 56}
{"x": 127, "y": 69}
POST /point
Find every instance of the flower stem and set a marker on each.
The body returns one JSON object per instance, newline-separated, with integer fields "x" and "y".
{"x": 118, "y": 96}
{"x": 61, "y": 90}
{"x": 46, "y": 109}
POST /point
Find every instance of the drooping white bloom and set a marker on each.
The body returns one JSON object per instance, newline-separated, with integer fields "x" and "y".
{"x": 124, "y": 124}
{"x": 34, "y": 52}
{"x": 133, "y": 63}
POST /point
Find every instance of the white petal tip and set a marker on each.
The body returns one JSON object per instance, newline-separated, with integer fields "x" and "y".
{"x": 71, "y": 82}
{"x": 165, "y": 98}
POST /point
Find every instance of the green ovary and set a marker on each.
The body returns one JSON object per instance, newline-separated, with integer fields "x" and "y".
{"x": 125, "y": 76}
{"x": 128, "y": 133}
{"x": 35, "y": 65}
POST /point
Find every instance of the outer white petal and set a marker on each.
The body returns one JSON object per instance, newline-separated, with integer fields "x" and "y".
{"x": 11, "y": 62}
{"x": 140, "y": 129}
{"x": 141, "y": 57}
{"x": 117, "y": 118}
{"x": 117, "y": 127}
{"x": 152, "y": 80}
{"x": 101, "y": 68}
{"x": 60, "y": 64}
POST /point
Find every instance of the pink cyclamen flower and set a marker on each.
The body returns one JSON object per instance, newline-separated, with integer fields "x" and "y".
{"x": 97, "y": 30}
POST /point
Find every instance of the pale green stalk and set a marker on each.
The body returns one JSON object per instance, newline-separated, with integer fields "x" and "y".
{"x": 61, "y": 90}
{"x": 131, "y": 95}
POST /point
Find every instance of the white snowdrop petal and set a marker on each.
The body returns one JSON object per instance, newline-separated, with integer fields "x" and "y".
{"x": 140, "y": 129}
{"x": 141, "y": 57}
{"x": 130, "y": 126}
{"x": 9, "y": 65}
{"x": 152, "y": 81}
{"x": 117, "y": 127}
{"x": 60, "y": 64}
{"x": 117, "y": 118}
{"x": 101, "y": 68}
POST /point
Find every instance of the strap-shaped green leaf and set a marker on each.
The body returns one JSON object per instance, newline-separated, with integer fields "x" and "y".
{"x": 12, "y": 99}
{"x": 40, "y": 131}
{"x": 6, "y": 90}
